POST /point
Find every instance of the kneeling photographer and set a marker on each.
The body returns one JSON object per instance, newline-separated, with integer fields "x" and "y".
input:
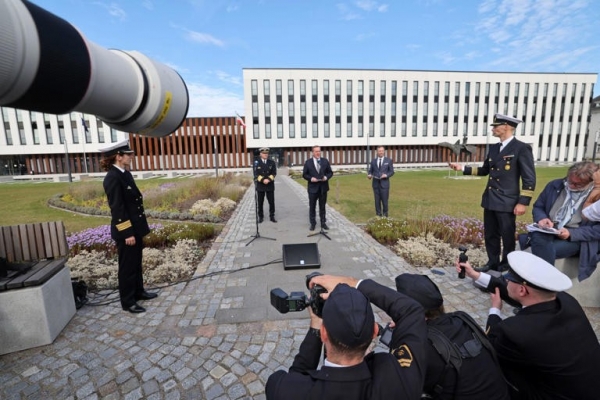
{"x": 346, "y": 330}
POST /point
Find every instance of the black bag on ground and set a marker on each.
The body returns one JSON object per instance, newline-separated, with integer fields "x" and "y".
{"x": 80, "y": 290}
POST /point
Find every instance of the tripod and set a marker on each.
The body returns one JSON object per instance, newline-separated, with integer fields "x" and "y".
{"x": 321, "y": 232}
{"x": 257, "y": 236}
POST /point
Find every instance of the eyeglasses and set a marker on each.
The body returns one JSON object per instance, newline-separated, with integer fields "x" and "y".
{"x": 576, "y": 183}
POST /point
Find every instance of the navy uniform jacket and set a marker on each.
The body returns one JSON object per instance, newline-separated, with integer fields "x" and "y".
{"x": 126, "y": 205}
{"x": 310, "y": 171}
{"x": 395, "y": 375}
{"x": 480, "y": 376}
{"x": 548, "y": 350}
{"x": 502, "y": 193}
{"x": 262, "y": 171}
{"x": 387, "y": 167}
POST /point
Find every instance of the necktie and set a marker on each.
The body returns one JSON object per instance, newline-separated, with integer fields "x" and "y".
{"x": 318, "y": 165}
{"x": 265, "y": 162}
{"x": 379, "y": 167}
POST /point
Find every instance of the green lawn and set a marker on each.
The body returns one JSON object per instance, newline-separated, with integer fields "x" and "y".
{"x": 420, "y": 194}
{"x": 414, "y": 194}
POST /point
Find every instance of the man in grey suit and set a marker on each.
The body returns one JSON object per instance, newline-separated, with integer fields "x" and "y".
{"x": 380, "y": 170}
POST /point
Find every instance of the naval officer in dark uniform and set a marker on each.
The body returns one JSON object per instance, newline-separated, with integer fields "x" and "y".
{"x": 128, "y": 224}
{"x": 507, "y": 163}
{"x": 549, "y": 349}
{"x": 265, "y": 171}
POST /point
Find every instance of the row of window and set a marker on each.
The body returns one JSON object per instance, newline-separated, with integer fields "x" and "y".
{"x": 44, "y": 130}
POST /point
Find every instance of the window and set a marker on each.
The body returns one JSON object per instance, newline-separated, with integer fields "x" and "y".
{"x": 291, "y": 109}
{"x": 371, "y": 88}
{"x": 360, "y": 88}
{"x": 34, "y": 126}
{"x": 290, "y": 87}
{"x": 326, "y": 87}
{"x": 254, "y": 87}
{"x": 315, "y": 87}
{"x": 382, "y": 88}
{"x": 292, "y": 128}
{"x": 267, "y": 88}
{"x": 278, "y": 88}
{"x": 100, "y": 130}
{"x": 349, "y": 88}
{"x": 315, "y": 130}
{"x": 415, "y": 88}
{"x": 302, "y": 87}
{"x": 338, "y": 87}
{"x": 268, "y": 131}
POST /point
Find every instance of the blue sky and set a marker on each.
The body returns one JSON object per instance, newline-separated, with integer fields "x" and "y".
{"x": 209, "y": 42}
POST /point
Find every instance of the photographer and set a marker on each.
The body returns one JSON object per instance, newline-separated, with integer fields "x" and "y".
{"x": 549, "y": 349}
{"x": 346, "y": 330}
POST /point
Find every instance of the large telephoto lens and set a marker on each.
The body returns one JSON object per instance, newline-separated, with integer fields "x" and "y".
{"x": 47, "y": 65}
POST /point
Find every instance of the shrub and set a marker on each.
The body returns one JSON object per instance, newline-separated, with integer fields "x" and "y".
{"x": 429, "y": 251}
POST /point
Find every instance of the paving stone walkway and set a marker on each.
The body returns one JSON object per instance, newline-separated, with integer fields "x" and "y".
{"x": 216, "y": 337}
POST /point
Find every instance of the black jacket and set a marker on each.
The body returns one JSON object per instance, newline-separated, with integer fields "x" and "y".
{"x": 548, "y": 351}
{"x": 126, "y": 205}
{"x": 395, "y": 375}
{"x": 310, "y": 171}
{"x": 262, "y": 171}
{"x": 480, "y": 376}
{"x": 505, "y": 169}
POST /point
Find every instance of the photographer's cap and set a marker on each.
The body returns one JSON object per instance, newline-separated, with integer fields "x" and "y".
{"x": 121, "y": 147}
{"x": 348, "y": 316}
{"x": 264, "y": 150}
{"x": 420, "y": 288}
{"x": 530, "y": 270}
{"x": 500, "y": 119}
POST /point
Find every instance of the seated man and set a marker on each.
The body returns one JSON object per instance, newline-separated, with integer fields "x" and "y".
{"x": 346, "y": 331}
{"x": 549, "y": 349}
{"x": 559, "y": 206}
{"x": 476, "y": 375}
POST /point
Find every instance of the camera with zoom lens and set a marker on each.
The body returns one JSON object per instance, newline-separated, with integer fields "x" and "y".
{"x": 298, "y": 301}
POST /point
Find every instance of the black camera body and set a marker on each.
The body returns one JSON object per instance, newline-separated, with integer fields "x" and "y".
{"x": 298, "y": 301}
{"x": 385, "y": 335}
{"x": 462, "y": 257}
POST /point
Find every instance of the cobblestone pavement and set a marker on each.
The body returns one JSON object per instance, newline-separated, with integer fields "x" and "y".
{"x": 216, "y": 337}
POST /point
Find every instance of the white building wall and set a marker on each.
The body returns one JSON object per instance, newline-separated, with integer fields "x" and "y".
{"x": 549, "y": 138}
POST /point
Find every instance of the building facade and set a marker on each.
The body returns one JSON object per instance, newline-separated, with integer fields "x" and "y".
{"x": 411, "y": 112}
{"x": 38, "y": 143}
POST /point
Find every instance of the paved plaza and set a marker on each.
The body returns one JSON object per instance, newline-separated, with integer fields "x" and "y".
{"x": 217, "y": 336}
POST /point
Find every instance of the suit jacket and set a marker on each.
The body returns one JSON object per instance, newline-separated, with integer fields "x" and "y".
{"x": 505, "y": 168}
{"x": 548, "y": 350}
{"x": 387, "y": 167}
{"x": 262, "y": 171}
{"x": 310, "y": 171}
{"x": 395, "y": 375}
{"x": 587, "y": 234}
{"x": 126, "y": 205}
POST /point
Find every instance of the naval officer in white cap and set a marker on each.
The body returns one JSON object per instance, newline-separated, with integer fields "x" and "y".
{"x": 508, "y": 163}
{"x": 128, "y": 223}
{"x": 549, "y": 349}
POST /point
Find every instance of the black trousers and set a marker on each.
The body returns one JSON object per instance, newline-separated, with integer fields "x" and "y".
{"x": 321, "y": 197}
{"x": 131, "y": 283}
{"x": 261, "y": 200}
{"x": 497, "y": 226}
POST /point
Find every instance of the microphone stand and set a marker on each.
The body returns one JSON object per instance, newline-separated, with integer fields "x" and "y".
{"x": 322, "y": 231}
{"x": 257, "y": 236}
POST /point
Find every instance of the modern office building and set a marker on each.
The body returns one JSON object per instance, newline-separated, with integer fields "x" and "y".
{"x": 411, "y": 112}
{"x": 593, "y": 143}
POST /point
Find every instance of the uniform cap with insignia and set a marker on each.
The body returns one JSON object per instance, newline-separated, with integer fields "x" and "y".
{"x": 121, "y": 147}
{"x": 348, "y": 316}
{"x": 530, "y": 270}
{"x": 420, "y": 288}
{"x": 500, "y": 119}
{"x": 265, "y": 150}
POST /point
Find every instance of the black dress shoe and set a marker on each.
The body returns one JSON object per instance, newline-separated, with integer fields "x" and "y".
{"x": 146, "y": 296}
{"x": 260, "y": 220}
{"x": 273, "y": 219}
{"x": 135, "y": 309}
{"x": 324, "y": 226}
{"x": 485, "y": 268}
{"x": 503, "y": 267}
{"x": 312, "y": 227}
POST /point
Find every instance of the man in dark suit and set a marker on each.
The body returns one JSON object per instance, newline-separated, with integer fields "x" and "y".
{"x": 317, "y": 171}
{"x": 380, "y": 170}
{"x": 265, "y": 171}
{"x": 128, "y": 224}
{"x": 549, "y": 349}
{"x": 346, "y": 331}
{"x": 507, "y": 163}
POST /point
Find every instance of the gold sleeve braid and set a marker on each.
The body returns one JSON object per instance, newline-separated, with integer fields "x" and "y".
{"x": 123, "y": 225}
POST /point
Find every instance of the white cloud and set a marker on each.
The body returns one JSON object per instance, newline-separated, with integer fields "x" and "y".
{"x": 148, "y": 4}
{"x": 413, "y": 46}
{"x": 225, "y": 77}
{"x": 113, "y": 9}
{"x": 370, "y": 5}
{"x": 207, "y": 101}
{"x": 346, "y": 13}
{"x": 540, "y": 35}
{"x": 201, "y": 37}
